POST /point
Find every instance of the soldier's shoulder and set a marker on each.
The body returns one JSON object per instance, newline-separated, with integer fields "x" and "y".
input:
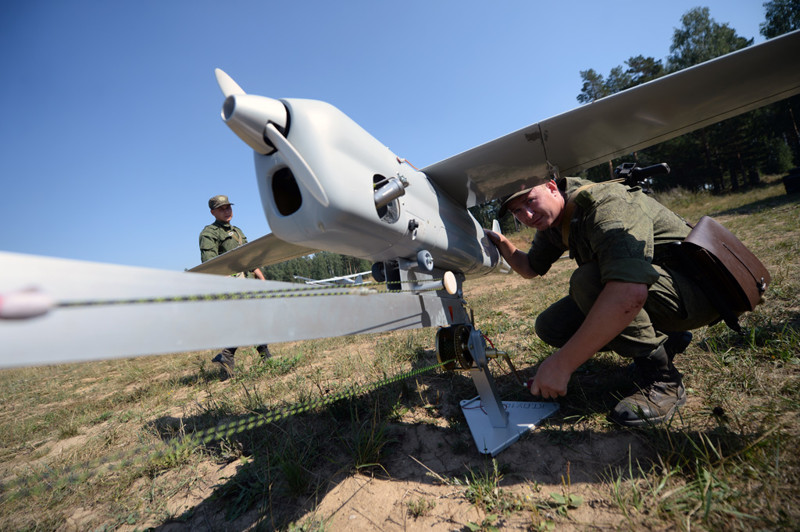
{"x": 209, "y": 229}
{"x": 602, "y": 193}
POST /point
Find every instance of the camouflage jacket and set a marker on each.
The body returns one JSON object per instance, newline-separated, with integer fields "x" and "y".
{"x": 622, "y": 229}
{"x": 219, "y": 237}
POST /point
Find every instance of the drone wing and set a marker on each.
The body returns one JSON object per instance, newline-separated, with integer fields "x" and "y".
{"x": 631, "y": 120}
{"x": 352, "y": 279}
{"x": 98, "y": 311}
{"x": 263, "y": 251}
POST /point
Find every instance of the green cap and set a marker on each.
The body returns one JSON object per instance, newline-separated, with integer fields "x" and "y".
{"x": 218, "y": 201}
{"x": 508, "y": 199}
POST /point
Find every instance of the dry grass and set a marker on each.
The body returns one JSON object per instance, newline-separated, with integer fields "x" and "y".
{"x": 83, "y": 444}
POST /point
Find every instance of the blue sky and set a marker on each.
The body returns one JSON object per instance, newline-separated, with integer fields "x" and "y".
{"x": 112, "y": 140}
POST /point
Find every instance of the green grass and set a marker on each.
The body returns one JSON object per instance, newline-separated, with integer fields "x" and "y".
{"x": 420, "y": 507}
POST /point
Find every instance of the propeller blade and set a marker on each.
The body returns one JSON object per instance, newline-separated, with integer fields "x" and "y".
{"x": 226, "y": 83}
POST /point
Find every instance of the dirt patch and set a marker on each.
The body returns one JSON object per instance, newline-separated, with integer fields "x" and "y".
{"x": 365, "y": 503}
{"x": 425, "y": 470}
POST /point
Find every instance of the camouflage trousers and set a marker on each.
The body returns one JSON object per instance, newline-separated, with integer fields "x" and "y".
{"x": 674, "y": 303}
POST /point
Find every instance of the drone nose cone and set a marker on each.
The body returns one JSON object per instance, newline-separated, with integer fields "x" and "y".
{"x": 248, "y": 115}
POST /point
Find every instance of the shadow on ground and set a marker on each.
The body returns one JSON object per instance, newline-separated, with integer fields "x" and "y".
{"x": 412, "y": 434}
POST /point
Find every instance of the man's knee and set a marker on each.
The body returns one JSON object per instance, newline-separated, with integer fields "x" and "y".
{"x": 545, "y": 331}
{"x": 556, "y": 325}
{"x": 585, "y": 286}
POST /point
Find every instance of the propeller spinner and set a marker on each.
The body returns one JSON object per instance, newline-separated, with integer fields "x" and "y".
{"x": 261, "y": 123}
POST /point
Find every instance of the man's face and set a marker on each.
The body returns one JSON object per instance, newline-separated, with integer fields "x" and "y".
{"x": 540, "y": 208}
{"x": 223, "y": 214}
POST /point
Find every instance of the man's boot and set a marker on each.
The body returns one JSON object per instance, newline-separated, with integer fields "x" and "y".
{"x": 225, "y": 359}
{"x": 659, "y": 392}
{"x": 263, "y": 351}
{"x": 677, "y": 342}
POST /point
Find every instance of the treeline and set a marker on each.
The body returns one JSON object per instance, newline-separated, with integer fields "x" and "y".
{"x": 321, "y": 265}
{"x": 725, "y": 156}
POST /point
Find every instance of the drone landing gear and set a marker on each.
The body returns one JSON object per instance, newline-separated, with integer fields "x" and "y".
{"x": 494, "y": 424}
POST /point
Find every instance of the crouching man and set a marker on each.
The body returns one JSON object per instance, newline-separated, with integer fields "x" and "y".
{"x": 624, "y": 296}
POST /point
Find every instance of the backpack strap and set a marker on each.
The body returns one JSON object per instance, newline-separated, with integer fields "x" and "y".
{"x": 236, "y": 236}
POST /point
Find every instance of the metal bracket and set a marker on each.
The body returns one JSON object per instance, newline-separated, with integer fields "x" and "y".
{"x": 496, "y": 424}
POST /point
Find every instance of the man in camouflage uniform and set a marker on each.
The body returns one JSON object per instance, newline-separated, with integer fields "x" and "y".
{"x": 216, "y": 239}
{"x": 624, "y": 295}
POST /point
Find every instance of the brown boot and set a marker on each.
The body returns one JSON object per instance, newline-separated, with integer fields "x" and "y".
{"x": 659, "y": 392}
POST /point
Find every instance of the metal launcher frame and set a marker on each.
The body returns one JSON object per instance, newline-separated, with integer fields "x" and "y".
{"x": 494, "y": 424}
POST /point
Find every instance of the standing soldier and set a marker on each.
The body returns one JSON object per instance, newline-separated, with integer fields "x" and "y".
{"x": 216, "y": 239}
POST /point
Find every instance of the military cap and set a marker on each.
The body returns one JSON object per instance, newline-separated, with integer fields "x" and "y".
{"x": 508, "y": 199}
{"x": 218, "y": 201}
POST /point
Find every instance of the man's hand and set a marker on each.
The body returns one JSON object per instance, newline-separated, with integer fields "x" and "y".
{"x": 615, "y": 307}
{"x": 551, "y": 378}
{"x": 494, "y": 237}
{"x": 516, "y": 258}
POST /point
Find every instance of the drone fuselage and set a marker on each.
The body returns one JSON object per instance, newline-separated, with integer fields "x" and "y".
{"x": 350, "y": 165}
